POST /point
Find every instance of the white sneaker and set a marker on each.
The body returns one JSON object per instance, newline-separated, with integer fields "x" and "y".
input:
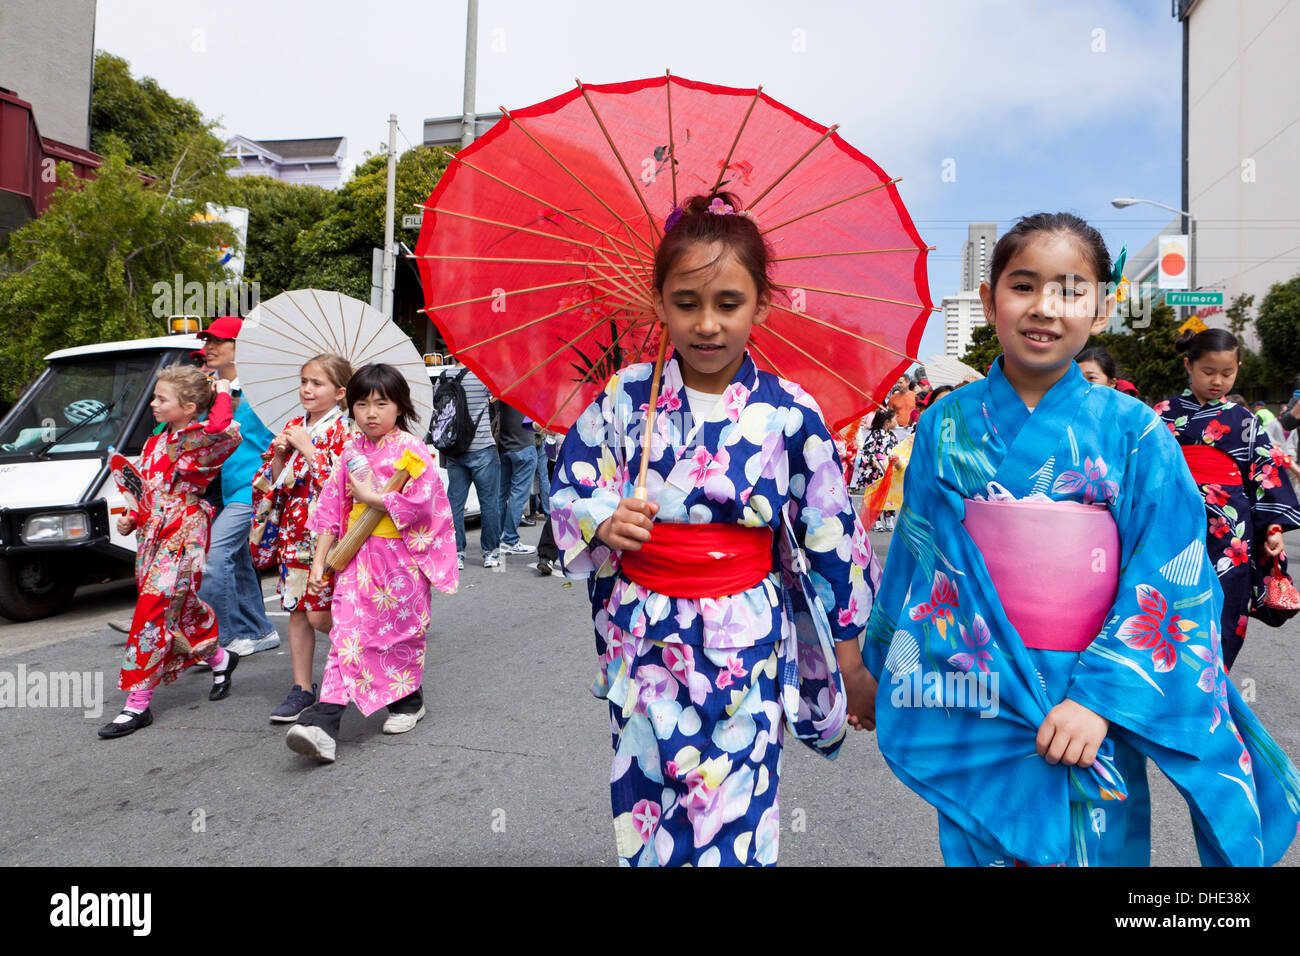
{"x": 311, "y": 742}
{"x": 460, "y": 562}
{"x": 401, "y": 723}
{"x": 244, "y": 646}
{"x": 490, "y": 560}
{"x": 517, "y": 548}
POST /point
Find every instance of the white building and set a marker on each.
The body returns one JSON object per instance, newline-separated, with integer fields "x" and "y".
{"x": 1243, "y": 137}
{"x": 963, "y": 313}
{"x": 315, "y": 162}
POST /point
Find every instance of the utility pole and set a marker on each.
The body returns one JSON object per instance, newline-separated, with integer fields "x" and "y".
{"x": 469, "y": 118}
{"x": 389, "y": 264}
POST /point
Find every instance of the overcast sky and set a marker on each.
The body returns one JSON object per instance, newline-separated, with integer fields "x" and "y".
{"x": 1029, "y": 105}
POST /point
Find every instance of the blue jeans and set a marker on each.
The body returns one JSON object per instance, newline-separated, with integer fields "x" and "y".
{"x": 483, "y": 468}
{"x": 230, "y": 584}
{"x": 517, "y": 468}
{"x": 540, "y": 500}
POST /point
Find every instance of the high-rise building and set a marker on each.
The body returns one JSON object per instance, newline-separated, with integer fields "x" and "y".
{"x": 962, "y": 314}
{"x": 976, "y": 252}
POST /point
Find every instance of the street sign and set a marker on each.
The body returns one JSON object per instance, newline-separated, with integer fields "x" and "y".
{"x": 1193, "y": 325}
{"x": 413, "y": 221}
{"x": 1193, "y": 298}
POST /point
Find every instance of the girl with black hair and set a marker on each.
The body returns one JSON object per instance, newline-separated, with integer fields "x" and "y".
{"x": 381, "y": 598}
{"x": 1241, "y": 475}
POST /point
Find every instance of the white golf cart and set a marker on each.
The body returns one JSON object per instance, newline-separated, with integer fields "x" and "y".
{"x": 58, "y": 502}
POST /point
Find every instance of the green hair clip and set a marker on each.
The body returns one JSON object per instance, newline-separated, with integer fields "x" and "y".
{"x": 1118, "y": 272}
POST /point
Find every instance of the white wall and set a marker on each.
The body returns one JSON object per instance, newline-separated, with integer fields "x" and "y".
{"x": 1244, "y": 104}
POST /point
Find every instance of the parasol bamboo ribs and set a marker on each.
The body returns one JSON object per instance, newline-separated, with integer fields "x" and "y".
{"x": 364, "y": 526}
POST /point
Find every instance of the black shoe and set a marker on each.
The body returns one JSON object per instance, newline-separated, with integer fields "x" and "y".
{"x": 111, "y": 730}
{"x": 221, "y": 687}
{"x": 543, "y": 568}
{"x": 527, "y": 522}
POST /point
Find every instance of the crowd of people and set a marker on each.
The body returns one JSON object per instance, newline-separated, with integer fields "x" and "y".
{"x": 1090, "y": 560}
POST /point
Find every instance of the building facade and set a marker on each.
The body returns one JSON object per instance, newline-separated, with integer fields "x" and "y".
{"x": 309, "y": 162}
{"x": 976, "y": 253}
{"x": 1243, "y": 137}
{"x": 963, "y": 313}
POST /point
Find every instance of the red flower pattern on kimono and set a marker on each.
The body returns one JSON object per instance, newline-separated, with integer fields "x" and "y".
{"x": 941, "y": 607}
{"x": 1214, "y": 431}
{"x": 1148, "y": 631}
{"x": 1219, "y": 526}
{"x": 1214, "y": 495}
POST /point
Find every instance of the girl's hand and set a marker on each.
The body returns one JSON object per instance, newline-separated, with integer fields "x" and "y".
{"x": 316, "y": 582}
{"x": 125, "y": 525}
{"x": 859, "y": 686}
{"x": 221, "y": 386}
{"x": 280, "y": 445}
{"x": 1273, "y": 544}
{"x": 630, "y": 525}
{"x": 1071, "y": 734}
{"x": 299, "y": 438}
{"x": 364, "y": 493}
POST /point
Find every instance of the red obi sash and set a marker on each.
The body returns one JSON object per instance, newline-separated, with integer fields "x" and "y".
{"x": 700, "y": 560}
{"x": 1210, "y": 466}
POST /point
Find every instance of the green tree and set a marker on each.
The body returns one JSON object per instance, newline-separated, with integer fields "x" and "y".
{"x": 1146, "y": 353}
{"x": 336, "y": 251}
{"x": 278, "y": 214}
{"x": 1278, "y": 328}
{"x": 1239, "y": 314}
{"x": 84, "y": 271}
{"x": 984, "y": 348}
{"x": 153, "y": 126}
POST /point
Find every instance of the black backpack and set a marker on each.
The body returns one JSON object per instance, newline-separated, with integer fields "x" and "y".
{"x": 452, "y": 431}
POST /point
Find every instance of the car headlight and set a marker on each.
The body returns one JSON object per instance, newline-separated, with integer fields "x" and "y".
{"x": 47, "y": 529}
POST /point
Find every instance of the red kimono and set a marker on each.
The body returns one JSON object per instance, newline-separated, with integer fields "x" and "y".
{"x": 172, "y": 628}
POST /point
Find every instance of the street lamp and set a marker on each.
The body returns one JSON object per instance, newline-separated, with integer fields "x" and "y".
{"x": 1124, "y": 201}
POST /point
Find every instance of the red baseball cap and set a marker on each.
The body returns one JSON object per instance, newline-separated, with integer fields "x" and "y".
{"x": 225, "y": 327}
{"x": 1125, "y": 386}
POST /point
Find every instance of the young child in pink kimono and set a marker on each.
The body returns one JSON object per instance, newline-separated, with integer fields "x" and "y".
{"x": 381, "y": 599}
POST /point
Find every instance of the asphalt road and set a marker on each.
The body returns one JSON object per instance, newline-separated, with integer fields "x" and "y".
{"x": 511, "y": 765}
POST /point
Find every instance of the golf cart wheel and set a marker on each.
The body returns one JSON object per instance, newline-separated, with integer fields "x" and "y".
{"x": 33, "y": 586}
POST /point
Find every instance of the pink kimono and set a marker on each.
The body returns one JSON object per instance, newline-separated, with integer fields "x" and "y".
{"x": 381, "y": 599}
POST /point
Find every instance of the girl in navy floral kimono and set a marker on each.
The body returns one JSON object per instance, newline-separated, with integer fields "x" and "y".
{"x": 1241, "y": 476}
{"x": 728, "y": 604}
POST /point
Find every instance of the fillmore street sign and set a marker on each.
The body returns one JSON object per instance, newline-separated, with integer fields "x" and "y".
{"x": 1193, "y": 298}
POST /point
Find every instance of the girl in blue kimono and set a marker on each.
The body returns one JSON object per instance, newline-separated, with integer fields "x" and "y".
{"x": 732, "y": 600}
{"x": 1034, "y": 752}
{"x": 1240, "y": 474}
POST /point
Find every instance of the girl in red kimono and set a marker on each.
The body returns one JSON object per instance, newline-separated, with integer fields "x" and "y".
{"x": 172, "y": 628}
{"x": 293, "y": 472}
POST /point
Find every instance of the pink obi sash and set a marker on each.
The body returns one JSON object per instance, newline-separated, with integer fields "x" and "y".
{"x": 700, "y": 560}
{"x": 1054, "y": 565}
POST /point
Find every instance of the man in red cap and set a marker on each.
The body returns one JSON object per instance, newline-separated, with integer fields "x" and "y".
{"x": 230, "y": 583}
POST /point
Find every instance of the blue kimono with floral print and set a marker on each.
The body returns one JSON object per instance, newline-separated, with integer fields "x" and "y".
{"x": 1239, "y": 515}
{"x": 699, "y": 688}
{"x": 1155, "y": 671}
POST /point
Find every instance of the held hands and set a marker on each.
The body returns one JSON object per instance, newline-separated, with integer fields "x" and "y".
{"x": 316, "y": 581}
{"x": 859, "y": 686}
{"x": 630, "y": 525}
{"x": 1071, "y": 734}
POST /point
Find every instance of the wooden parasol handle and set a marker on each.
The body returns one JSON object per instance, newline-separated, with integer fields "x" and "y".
{"x": 640, "y": 493}
{"x": 364, "y": 526}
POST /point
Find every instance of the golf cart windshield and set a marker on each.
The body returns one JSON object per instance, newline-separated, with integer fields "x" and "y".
{"x": 78, "y": 407}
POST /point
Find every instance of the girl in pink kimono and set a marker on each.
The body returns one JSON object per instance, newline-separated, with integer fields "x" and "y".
{"x": 381, "y": 599}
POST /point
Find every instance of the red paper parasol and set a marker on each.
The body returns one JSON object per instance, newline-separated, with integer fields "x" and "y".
{"x": 537, "y": 248}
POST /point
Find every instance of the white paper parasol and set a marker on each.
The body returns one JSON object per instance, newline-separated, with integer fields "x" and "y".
{"x": 946, "y": 370}
{"x": 284, "y": 332}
